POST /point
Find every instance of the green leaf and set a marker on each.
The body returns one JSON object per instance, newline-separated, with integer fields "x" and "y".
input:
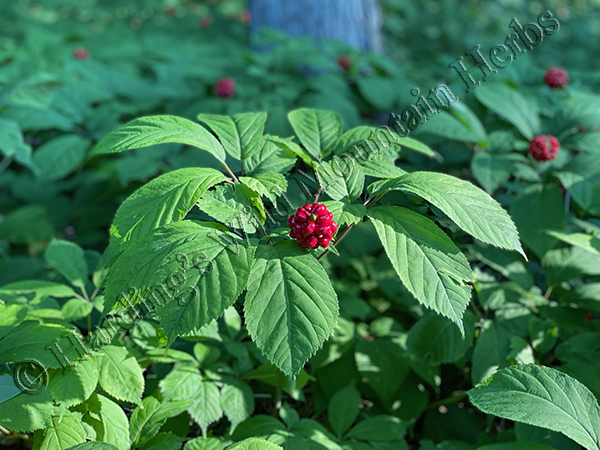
{"x": 120, "y": 374}
{"x": 469, "y": 207}
{"x": 94, "y": 445}
{"x": 536, "y": 210}
{"x": 27, "y": 412}
{"x": 317, "y": 130}
{"x": 202, "y": 443}
{"x": 60, "y": 156}
{"x": 181, "y": 383}
{"x": 379, "y": 428}
{"x": 269, "y": 158}
{"x": 235, "y": 207}
{"x": 190, "y": 261}
{"x": 12, "y": 144}
{"x": 63, "y": 433}
{"x": 433, "y": 337}
{"x": 515, "y": 446}
{"x": 345, "y": 214}
{"x": 491, "y": 170}
{"x": 165, "y": 199}
{"x": 341, "y": 179}
{"x": 490, "y": 352}
{"x": 542, "y": 397}
{"x": 255, "y": 444}
{"x": 431, "y": 267}
{"x": 290, "y": 306}
{"x": 237, "y": 400}
{"x": 164, "y": 441}
{"x": 509, "y": 104}
{"x": 10, "y": 317}
{"x": 382, "y": 364}
{"x": 415, "y": 145}
{"x": 151, "y": 130}
{"x": 343, "y": 410}
{"x": 206, "y": 407}
{"x": 448, "y": 126}
{"x": 69, "y": 259}
{"x": 579, "y": 359}
{"x": 259, "y": 425}
{"x": 269, "y": 185}
{"x": 76, "y": 384}
{"x": 241, "y": 135}
{"x": 114, "y": 421}
{"x": 589, "y": 242}
{"x": 30, "y": 340}
{"x": 148, "y": 417}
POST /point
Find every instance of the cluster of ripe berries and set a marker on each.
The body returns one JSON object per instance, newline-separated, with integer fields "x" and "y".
{"x": 544, "y": 147}
{"x": 225, "y": 87}
{"x": 556, "y": 78}
{"x": 312, "y": 226}
{"x": 81, "y": 53}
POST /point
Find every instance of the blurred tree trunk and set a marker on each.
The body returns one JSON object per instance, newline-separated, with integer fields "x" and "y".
{"x": 355, "y": 22}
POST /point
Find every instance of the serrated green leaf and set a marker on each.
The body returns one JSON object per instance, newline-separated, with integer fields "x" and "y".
{"x": 290, "y": 306}
{"x": 543, "y": 397}
{"x": 206, "y": 407}
{"x": 181, "y": 383}
{"x": 202, "y": 443}
{"x": 76, "y": 384}
{"x": 317, "y": 130}
{"x": 69, "y": 259}
{"x": 469, "y": 207}
{"x": 120, "y": 374}
{"x": 491, "y": 170}
{"x": 341, "y": 178}
{"x": 269, "y": 158}
{"x": 165, "y": 199}
{"x": 148, "y": 417}
{"x": 431, "y": 267}
{"x": 63, "y": 433}
{"x": 237, "y": 401}
{"x": 151, "y": 130}
{"x": 269, "y": 185}
{"x": 114, "y": 421}
{"x": 255, "y": 444}
{"x": 27, "y": 412}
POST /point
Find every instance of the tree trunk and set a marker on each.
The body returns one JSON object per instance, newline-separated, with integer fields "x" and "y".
{"x": 355, "y": 22}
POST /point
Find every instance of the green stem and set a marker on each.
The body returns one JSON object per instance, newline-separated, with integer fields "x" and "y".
{"x": 231, "y": 174}
{"x": 447, "y": 401}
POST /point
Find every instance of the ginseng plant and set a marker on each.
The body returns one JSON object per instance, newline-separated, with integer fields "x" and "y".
{"x": 194, "y": 241}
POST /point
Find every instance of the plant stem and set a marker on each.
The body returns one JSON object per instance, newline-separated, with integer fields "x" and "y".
{"x": 342, "y": 236}
{"x": 447, "y": 401}
{"x": 85, "y": 294}
{"x": 318, "y": 194}
{"x": 231, "y": 174}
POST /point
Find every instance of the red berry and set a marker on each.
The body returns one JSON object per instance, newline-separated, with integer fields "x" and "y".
{"x": 245, "y": 17}
{"x": 225, "y": 87}
{"x": 544, "y": 147}
{"x": 81, "y": 53}
{"x": 556, "y": 78}
{"x": 344, "y": 62}
{"x": 312, "y": 226}
{"x": 205, "y": 22}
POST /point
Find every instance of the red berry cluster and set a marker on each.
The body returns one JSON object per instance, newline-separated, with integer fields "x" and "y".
{"x": 81, "y": 53}
{"x": 225, "y": 87}
{"x": 245, "y": 17}
{"x": 344, "y": 62}
{"x": 544, "y": 147}
{"x": 312, "y": 226}
{"x": 556, "y": 78}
